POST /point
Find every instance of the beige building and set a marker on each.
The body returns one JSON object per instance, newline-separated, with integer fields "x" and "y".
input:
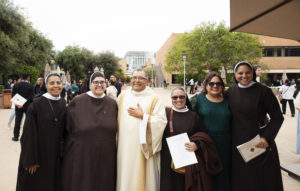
{"x": 281, "y": 56}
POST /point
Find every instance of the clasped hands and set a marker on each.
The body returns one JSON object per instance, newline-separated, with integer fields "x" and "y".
{"x": 136, "y": 112}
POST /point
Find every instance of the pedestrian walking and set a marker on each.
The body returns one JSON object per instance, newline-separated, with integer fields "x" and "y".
{"x": 287, "y": 91}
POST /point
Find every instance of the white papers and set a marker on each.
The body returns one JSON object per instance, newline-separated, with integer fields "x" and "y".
{"x": 143, "y": 129}
{"x": 248, "y": 149}
{"x": 18, "y": 100}
{"x": 181, "y": 157}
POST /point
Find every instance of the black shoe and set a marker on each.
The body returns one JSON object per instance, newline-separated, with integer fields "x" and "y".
{"x": 15, "y": 139}
{"x": 293, "y": 115}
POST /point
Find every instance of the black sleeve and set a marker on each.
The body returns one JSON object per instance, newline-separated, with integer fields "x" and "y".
{"x": 29, "y": 139}
{"x": 276, "y": 118}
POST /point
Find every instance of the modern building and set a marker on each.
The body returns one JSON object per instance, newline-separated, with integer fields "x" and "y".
{"x": 281, "y": 56}
{"x": 137, "y": 59}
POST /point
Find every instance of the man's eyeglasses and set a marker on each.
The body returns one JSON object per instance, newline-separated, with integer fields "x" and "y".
{"x": 138, "y": 78}
{"x": 98, "y": 83}
{"x": 212, "y": 84}
{"x": 176, "y": 97}
{"x": 52, "y": 83}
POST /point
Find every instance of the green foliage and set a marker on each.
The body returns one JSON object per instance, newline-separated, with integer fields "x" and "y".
{"x": 109, "y": 62}
{"x": 31, "y": 70}
{"x": 20, "y": 44}
{"x": 1, "y": 88}
{"x": 209, "y": 47}
{"x": 128, "y": 79}
{"x": 120, "y": 75}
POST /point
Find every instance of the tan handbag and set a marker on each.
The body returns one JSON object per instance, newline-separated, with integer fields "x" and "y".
{"x": 178, "y": 170}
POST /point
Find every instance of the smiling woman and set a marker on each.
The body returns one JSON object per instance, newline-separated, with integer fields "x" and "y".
{"x": 89, "y": 161}
{"x": 250, "y": 102}
{"x": 39, "y": 166}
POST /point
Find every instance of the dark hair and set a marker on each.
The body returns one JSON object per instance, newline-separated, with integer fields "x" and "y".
{"x": 287, "y": 82}
{"x": 50, "y": 75}
{"x": 25, "y": 76}
{"x": 256, "y": 67}
{"x": 97, "y": 74}
{"x": 297, "y": 89}
{"x": 248, "y": 64}
{"x": 111, "y": 82}
{"x": 208, "y": 78}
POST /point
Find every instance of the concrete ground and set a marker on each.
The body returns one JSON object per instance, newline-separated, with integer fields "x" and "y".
{"x": 286, "y": 142}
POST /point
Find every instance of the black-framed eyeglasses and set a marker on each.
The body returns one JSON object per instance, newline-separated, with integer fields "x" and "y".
{"x": 52, "y": 83}
{"x": 138, "y": 78}
{"x": 176, "y": 97}
{"x": 98, "y": 83}
{"x": 217, "y": 84}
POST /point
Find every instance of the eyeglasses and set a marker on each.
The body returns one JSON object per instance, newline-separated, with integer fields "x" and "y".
{"x": 176, "y": 97}
{"x": 52, "y": 83}
{"x": 98, "y": 83}
{"x": 138, "y": 78}
{"x": 212, "y": 84}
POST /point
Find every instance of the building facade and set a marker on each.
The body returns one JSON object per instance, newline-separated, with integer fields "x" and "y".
{"x": 137, "y": 59}
{"x": 281, "y": 56}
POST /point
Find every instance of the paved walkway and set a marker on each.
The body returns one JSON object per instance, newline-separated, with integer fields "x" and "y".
{"x": 10, "y": 151}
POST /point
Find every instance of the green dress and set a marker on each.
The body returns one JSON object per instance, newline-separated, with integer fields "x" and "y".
{"x": 217, "y": 119}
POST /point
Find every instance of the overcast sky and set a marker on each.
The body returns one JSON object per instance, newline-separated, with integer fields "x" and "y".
{"x": 119, "y": 25}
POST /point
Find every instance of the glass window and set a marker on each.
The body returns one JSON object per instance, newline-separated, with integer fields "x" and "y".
{"x": 268, "y": 52}
{"x": 292, "y": 51}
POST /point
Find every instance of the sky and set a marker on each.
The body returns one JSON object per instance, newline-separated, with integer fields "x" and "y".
{"x": 119, "y": 25}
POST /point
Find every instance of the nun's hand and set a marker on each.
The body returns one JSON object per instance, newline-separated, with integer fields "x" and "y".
{"x": 191, "y": 146}
{"x": 136, "y": 112}
{"x": 32, "y": 169}
{"x": 262, "y": 144}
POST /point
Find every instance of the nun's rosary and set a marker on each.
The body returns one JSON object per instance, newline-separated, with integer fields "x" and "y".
{"x": 55, "y": 118}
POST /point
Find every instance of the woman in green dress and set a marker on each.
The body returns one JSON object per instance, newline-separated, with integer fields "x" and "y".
{"x": 212, "y": 106}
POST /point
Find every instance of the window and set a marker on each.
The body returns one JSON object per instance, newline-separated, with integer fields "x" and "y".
{"x": 292, "y": 51}
{"x": 268, "y": 52}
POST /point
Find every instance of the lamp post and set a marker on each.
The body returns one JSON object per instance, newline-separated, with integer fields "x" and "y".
{"x": 152, "y": 63}
{"x": 184, "y": 59}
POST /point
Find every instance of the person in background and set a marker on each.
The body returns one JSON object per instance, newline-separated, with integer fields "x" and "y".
{"x": 8, "y": 84}
{"x": 213, "y": 107}
{"x": 287, "y": 92}
{"x": 26, "y": 90}
{"x": 13, "y": 83}
{"x": 297, "y": 106}
{"x": 39, "y": 88}
{"x": 192, "y": 83}
{"x": 68, "y": 90}
{"x": 198, "y": 87}
{"x": 111, "y": 90}
{"x": 117, "y": 84}
{"x": 79, "y": 84}
{"x": 249, "y": 103}
{"x": 258, "y": 72}
{"x": 74, "y": 89}
{"x": 39, "y": 166}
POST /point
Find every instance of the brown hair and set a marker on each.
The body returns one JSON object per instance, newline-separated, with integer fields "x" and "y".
{"x": 208, "y": 78}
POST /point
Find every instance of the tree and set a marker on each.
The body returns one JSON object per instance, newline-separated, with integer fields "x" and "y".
{"x": 72, "y": 59}
{"x": 209, "y": 47}
{"x": 20, "y": 43}
{"x": 108, "y": 61}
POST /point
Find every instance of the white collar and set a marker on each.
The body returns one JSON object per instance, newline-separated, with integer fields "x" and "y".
{"x": 247, "y": 86}
{"x": 49, "y": 96}
{"x": 90, "y": 93}
{"x": 140, "y": 92}
{"x": 180, "y": 110}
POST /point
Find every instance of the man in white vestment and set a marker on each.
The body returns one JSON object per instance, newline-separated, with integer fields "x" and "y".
{"x": 142, "y": 120}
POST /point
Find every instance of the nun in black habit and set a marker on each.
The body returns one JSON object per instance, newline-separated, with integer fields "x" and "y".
{"x": 39, "y": 166}
{"x": 250, "y": 102}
